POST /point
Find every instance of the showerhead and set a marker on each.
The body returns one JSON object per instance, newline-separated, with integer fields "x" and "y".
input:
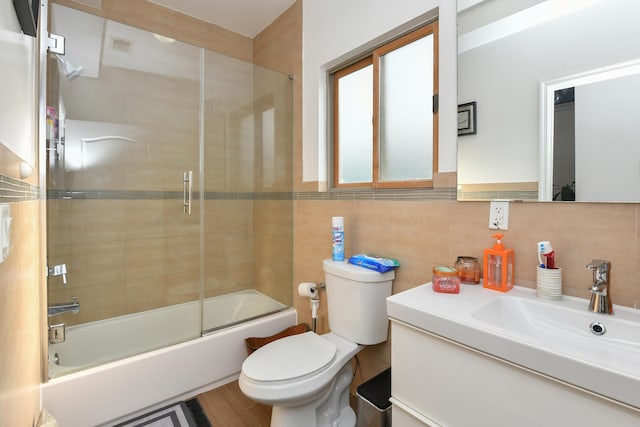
{"x": 70, "y": 72}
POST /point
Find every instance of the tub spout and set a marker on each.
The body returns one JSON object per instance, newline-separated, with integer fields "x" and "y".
{"x": 65, "y": 307}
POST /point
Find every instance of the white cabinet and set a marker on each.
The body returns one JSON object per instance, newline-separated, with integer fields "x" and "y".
{"x": 439, "y": 382}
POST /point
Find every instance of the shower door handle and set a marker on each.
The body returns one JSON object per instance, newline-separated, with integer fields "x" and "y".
{"x": 187, "y": 191}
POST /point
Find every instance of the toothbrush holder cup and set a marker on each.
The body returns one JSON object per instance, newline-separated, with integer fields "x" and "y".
{"x": 549, "y": 283}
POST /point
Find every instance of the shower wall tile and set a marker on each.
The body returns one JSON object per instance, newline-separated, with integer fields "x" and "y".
{"x": 228, "y": 216}
{"x": 228, "y": 250}
{"x": 157, "y": 218}
{"x": 80, "y": 221}
{"x": 160, "y": 256}
{"x": 273, "y": 250}
{"x": 236, "y": 235}
{"x": 126, "y": 246}
{"x": 99, "y": 302}
{"x": 88, "y": 264}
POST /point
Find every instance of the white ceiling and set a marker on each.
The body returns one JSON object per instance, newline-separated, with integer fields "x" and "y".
{"x": 247, "y": 17}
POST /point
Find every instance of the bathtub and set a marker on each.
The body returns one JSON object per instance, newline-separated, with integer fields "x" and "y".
{"x": 111, "y": 391}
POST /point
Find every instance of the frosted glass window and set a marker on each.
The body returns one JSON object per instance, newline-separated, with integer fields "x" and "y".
{"x": 355, "y": 133}
{"x": 384, "y": 120}
{"x": 406, "y": 112}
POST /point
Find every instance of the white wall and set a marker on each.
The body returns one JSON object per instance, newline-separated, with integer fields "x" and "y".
{"x": 334, "y": 30}
{"x": 17, "y": 68}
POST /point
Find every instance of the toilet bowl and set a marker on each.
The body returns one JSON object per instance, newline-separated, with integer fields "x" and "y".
{"x": 306, "y": 377}
{"x": 296, "y": 371}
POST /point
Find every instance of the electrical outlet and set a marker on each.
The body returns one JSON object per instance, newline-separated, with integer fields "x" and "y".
{"x": 499, "y": 215}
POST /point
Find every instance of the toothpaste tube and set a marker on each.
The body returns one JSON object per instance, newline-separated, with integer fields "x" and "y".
{"x": 374, "y": 262}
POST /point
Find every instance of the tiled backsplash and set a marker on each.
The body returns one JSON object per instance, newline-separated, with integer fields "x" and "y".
{"x": 422, "y": 234}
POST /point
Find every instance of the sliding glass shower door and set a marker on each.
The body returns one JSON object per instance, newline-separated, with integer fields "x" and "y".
{"x": 169, "y": 210}
{"x": 124, "y": 170}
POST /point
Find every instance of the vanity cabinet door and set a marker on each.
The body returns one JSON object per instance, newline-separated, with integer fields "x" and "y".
{"x": 457, "y": 386}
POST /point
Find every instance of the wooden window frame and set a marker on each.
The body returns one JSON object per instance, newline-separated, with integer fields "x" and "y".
{"x": 374, "y": 59}
{"x": 357, "y": 66}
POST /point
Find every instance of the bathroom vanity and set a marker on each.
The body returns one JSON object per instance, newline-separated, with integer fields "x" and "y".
{"x": 484, "y": 357}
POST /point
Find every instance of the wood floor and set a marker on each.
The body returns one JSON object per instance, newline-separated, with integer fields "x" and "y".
{"x": 227, "y": 406}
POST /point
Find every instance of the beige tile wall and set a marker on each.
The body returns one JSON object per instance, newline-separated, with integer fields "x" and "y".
{"x": 422, "y": 234}
{"x": 20, "y": 320}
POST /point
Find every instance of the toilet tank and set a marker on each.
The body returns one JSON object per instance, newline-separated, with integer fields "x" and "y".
{"x": 356, "y": 298}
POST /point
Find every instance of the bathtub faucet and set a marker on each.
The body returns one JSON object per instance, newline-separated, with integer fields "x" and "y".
{"x": 600, "y": 301}
{"x": 64, "y": 307}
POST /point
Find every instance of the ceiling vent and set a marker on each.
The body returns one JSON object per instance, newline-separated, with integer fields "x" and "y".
{"x": 122, "y": 45}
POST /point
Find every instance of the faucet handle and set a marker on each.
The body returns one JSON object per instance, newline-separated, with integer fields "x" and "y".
{"x": 58, "y": 270}
{"x": 599, "y": 265}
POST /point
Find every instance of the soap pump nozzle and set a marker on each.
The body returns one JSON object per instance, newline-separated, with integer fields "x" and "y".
{"x": 498, "y": 246}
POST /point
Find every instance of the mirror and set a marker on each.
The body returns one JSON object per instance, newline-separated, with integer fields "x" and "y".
{"x": 514, "y": 59}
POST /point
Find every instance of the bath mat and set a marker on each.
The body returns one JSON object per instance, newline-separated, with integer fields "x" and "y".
{"x": 198, "y": 413}
{"x": 182, "y": 414}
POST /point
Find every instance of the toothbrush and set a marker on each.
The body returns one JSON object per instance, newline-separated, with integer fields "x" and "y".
{"x": 544, "y": 248}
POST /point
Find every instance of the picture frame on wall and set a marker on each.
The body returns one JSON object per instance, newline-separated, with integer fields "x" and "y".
{"x": 467, "y": 119}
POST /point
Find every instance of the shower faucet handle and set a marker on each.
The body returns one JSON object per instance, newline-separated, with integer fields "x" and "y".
{"x": 58, "y": 270}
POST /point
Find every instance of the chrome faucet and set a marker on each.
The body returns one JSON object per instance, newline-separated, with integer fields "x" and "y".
{"x": 600, "y": 300}
{"x": 64, "y": 307}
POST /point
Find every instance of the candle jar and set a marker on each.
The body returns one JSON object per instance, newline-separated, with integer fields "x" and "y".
{"x": 468, "y": 269}
{"x": 445, "y": 279}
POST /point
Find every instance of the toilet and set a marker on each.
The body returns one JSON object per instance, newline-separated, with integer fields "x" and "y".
{"x": 306, "y": 377}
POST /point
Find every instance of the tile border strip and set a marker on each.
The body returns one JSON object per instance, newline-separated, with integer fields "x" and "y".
{"x": 447, "y": 194}
{"x": 14, "y": 190}
{"x": 440, "y": 194}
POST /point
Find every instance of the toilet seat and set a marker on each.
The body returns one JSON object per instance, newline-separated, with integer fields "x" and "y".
{"x": 289, "y": 358}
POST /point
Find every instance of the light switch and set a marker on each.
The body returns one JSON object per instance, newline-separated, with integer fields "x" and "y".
{"x": 5, "y": 231}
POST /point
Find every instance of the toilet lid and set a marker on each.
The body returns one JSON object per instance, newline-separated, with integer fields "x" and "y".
{"x": 289, "y": 358}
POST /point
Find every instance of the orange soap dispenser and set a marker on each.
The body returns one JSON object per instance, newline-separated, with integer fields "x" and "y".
{"x": 498, "y": 266}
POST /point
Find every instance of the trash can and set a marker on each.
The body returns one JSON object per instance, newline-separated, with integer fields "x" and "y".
{"x": 374, "y": 408}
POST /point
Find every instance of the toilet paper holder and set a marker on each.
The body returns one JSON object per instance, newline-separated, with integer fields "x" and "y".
{"x": 312, "y": 290}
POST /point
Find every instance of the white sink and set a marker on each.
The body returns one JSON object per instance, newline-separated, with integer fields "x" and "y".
{"x": 554, "y": 338}
{"x": 609, "y": 340}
